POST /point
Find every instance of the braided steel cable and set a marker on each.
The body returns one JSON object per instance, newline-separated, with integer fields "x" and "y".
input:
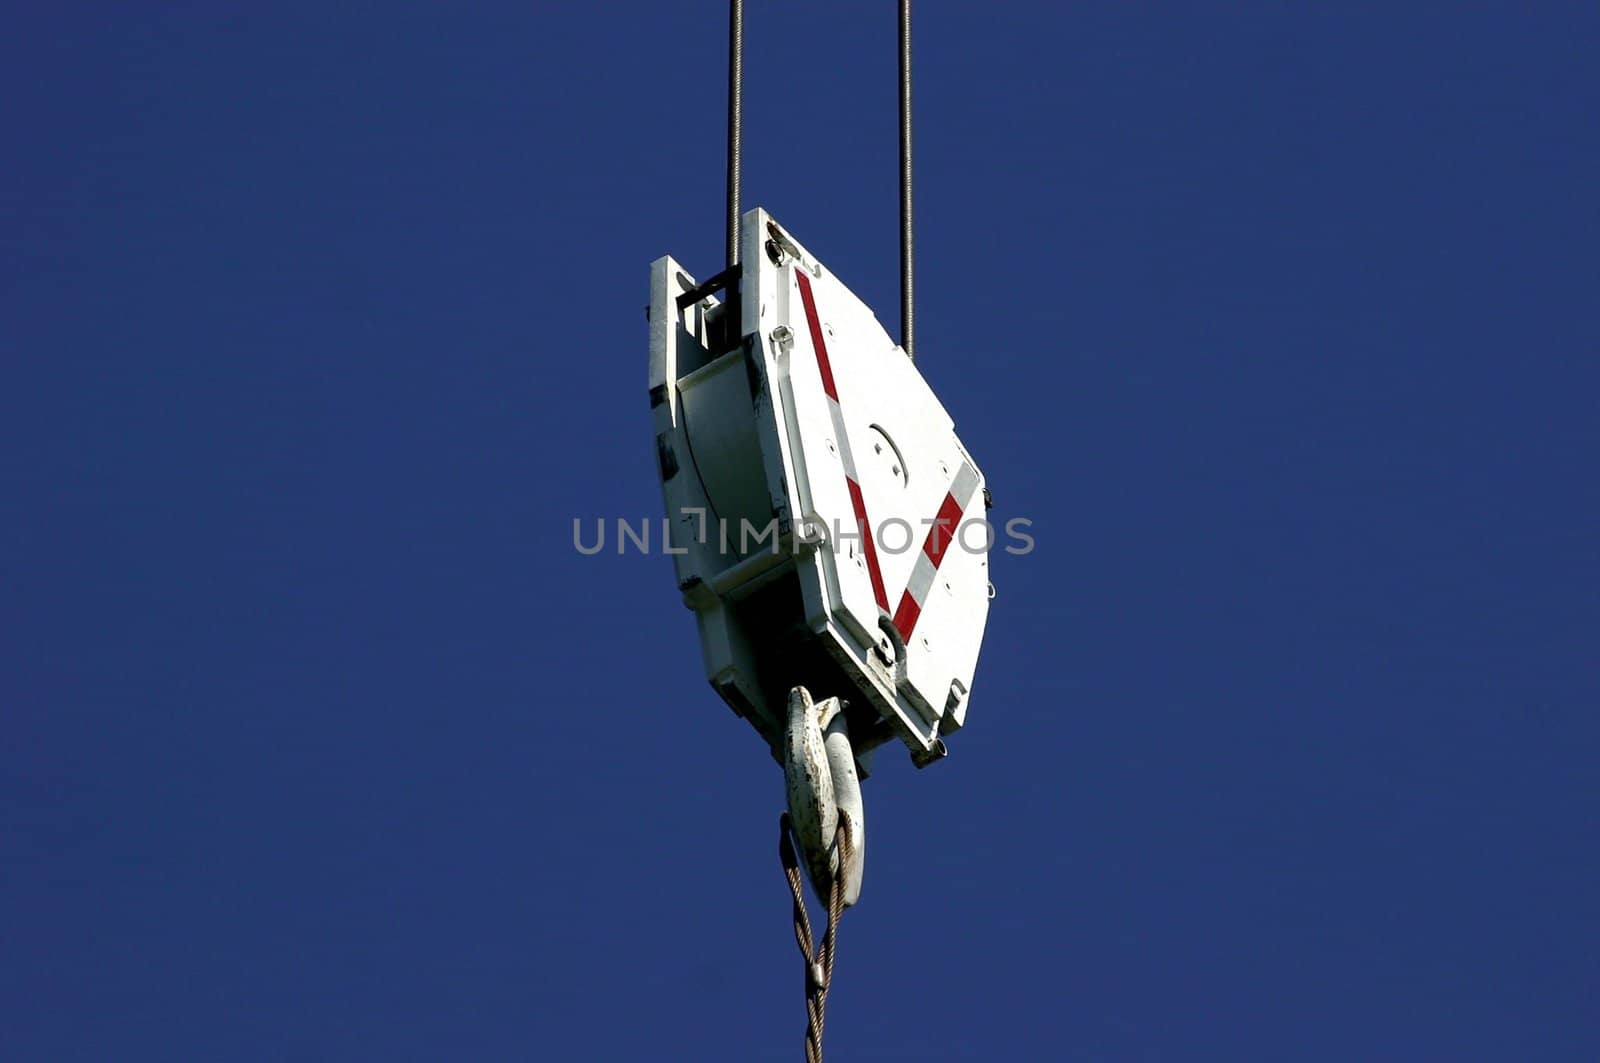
{"x": 818, "y": 959}
{"x": 907, "y": 248}
{"x": 735, "y": 121}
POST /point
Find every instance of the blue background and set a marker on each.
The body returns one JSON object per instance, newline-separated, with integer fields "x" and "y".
{"x": 318, "y": 328}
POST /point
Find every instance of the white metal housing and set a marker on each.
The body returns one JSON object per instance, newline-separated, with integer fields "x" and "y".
{"x": 784, "y": 406}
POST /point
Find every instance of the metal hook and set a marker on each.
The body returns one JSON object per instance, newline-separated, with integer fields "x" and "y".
{"x": 819, "y": 768}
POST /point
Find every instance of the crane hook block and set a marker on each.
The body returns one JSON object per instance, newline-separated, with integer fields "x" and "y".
{"x": 827, "y": 526}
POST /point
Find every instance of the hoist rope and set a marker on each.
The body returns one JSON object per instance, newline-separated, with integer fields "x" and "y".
{"x": 907, "y": 298}
{"x": 818, "y": 961}
{"x": 736, "y": 158}
{"x": 735, "y": 121}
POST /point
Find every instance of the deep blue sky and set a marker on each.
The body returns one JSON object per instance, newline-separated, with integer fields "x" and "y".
{"x": 318, "y": 328}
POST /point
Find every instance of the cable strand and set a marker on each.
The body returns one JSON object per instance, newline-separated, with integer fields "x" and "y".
{"x": 907, "y": 245}
{"x": 818, "y": 959}
{"x": 735, "y": 122}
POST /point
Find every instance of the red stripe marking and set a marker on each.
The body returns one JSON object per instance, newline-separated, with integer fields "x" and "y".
{"x": 818, "y": 344}
{"x": 867, "y": 545}
{"x": 937, "y": 544}
{"x": 943, "y": 530}
{"x": 859, "y": 504}
{"x": 905, "y": 617}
